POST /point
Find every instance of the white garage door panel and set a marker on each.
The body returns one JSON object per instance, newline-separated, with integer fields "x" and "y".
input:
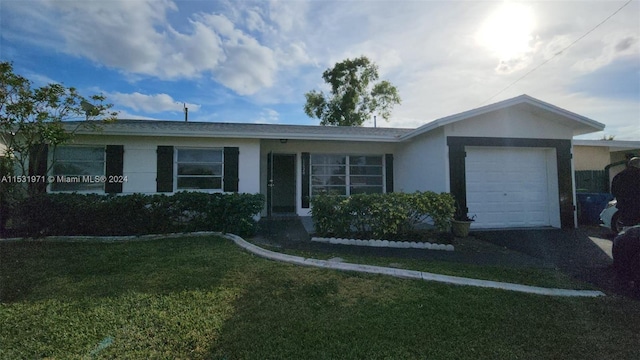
{"x": 507, "y": 187}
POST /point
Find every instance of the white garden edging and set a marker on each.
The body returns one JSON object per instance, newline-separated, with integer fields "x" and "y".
{"x": 385, "y": 243}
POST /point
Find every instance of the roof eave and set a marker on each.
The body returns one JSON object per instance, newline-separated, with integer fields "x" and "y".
{"x": 618, "y": 145}
{"x": 246, "y": 135}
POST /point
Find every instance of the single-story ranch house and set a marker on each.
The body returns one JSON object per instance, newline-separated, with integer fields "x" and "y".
{"x": 510, "y": 163}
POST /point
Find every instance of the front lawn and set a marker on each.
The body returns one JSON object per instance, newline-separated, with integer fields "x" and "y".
{"x": 203, "y": 298}
{"x": 543, "y": 277}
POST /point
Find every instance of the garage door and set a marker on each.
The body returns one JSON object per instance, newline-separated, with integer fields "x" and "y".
{"x": 507, "y": 187}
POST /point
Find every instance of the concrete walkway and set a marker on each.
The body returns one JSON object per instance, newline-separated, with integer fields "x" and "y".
{"x": 408, "y": 274}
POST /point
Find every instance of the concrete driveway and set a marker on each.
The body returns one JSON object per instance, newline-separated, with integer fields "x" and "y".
{"x": 583, "y": 253}
{"x": 584, "y": 248}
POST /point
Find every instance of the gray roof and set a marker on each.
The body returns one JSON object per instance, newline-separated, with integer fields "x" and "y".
{"x": 579, "y": 124}
{"x": 242, "y": 130}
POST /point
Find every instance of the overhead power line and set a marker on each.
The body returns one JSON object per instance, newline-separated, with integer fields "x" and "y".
{"x": 557, "y": 53}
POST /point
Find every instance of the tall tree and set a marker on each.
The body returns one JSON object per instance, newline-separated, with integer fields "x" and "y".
{"x": 32, "y": 117}
{"x": 354, "y": 96}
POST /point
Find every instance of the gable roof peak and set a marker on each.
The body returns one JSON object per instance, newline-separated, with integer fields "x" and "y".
{"x": 583, "y": 125}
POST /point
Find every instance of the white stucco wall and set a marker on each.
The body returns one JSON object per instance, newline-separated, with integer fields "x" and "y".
{"x": 509, "y": 123}
{"x": 422, "y": 164}
{"x": 140, "y": 158}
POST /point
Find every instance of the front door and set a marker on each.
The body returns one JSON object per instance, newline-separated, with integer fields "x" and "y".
{"x": 281, "y": 192}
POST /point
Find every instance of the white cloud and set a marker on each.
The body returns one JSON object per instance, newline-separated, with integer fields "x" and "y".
{"x": 119, "y": 34}
{"x": 612, "y": 47}
{"x": 268, "y": 116}
{"x": 288, "y": 16}
{"x": 39, "y": 80}
{"x": 254, "y": 20}
{"x": 273, "y": 52}
{"x": 125, "y": 115}
{"x": 156, "y": 103}
{"x": 136, "y": 37}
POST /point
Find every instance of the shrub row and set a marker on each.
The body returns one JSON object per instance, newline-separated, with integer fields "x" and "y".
{"x": 136, "y": 214}
{"x": 380, "y": 216}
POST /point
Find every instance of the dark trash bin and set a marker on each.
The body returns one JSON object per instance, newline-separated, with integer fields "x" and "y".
{"x": 626, "y": 255}
{"x": 590, "y": 205}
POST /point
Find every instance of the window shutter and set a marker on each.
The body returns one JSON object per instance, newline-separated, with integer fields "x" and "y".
{"x": 38, "y": 164}
{"x": 164, "y": 175}
{"x": 457, "y": 175}
{"x": 388, "y": 161}
{"x": 230, "y": 181}
{"x": 306, "y": 170}
{"x": 113, "y": 167}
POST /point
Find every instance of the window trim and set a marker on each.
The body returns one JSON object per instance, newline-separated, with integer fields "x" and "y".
{"x": 175, "y": 169}
{"x": 53, "y": 159}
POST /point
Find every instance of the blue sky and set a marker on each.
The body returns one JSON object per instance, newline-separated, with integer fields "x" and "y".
{"x": 252, "y": 61}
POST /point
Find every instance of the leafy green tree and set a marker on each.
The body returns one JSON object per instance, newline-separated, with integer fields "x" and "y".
{"x": 32, "y": 121}
{"x": 355, "y": 96}
{"x": 31, "y": 117}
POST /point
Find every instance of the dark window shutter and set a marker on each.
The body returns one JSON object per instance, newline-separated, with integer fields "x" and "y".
{"x": 164, "y": 175}
{"x": 306, "y": 186}
{"x": 457, "y": 175}
{"x": 565, "y": 183}
{"x": 231, "y": 169}
{"x": 388, "y": 161}
{"x": 113, "y": 167}
{"x": 38, "y": 161}
{"x": 269, "y": 183}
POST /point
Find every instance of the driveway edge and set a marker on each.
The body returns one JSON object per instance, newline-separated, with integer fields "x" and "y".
{"x": 408, "y": 274}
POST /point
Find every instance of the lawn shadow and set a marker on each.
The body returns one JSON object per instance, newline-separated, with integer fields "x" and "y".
{"x": 38, "y": 270}
{"x": 584, "y": 253}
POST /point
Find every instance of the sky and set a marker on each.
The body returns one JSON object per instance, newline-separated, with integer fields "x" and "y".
{"x": 253, "y": 61}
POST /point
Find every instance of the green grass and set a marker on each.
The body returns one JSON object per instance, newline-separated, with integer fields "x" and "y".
{"x": 544, "y": 277}
{"x": 203, "y": 298}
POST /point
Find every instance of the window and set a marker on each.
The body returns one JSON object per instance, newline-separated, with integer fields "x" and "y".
{"x": 199, "y": 169}
{"x": 346, "y": 174}
{"x": 78, "y": 168}
{"x": 365, "y": 174}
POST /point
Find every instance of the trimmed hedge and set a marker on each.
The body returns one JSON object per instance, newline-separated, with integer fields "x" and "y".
{"x": 380, "y": 216}
{"x": 136, "y": 214}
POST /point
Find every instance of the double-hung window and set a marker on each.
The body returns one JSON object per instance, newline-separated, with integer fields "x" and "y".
{"x": 78, "y": 168}
{"x": 199, "y": 169}
{"x": 346, "y": 174}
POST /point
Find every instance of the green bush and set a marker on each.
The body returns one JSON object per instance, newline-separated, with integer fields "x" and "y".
{"x": 380, "y": 215}
{"x": 135, "y": 214}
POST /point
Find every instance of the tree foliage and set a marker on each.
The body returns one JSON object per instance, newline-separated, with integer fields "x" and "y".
{"x": 32, "y": 116}
{"x": 355, "y": 96}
